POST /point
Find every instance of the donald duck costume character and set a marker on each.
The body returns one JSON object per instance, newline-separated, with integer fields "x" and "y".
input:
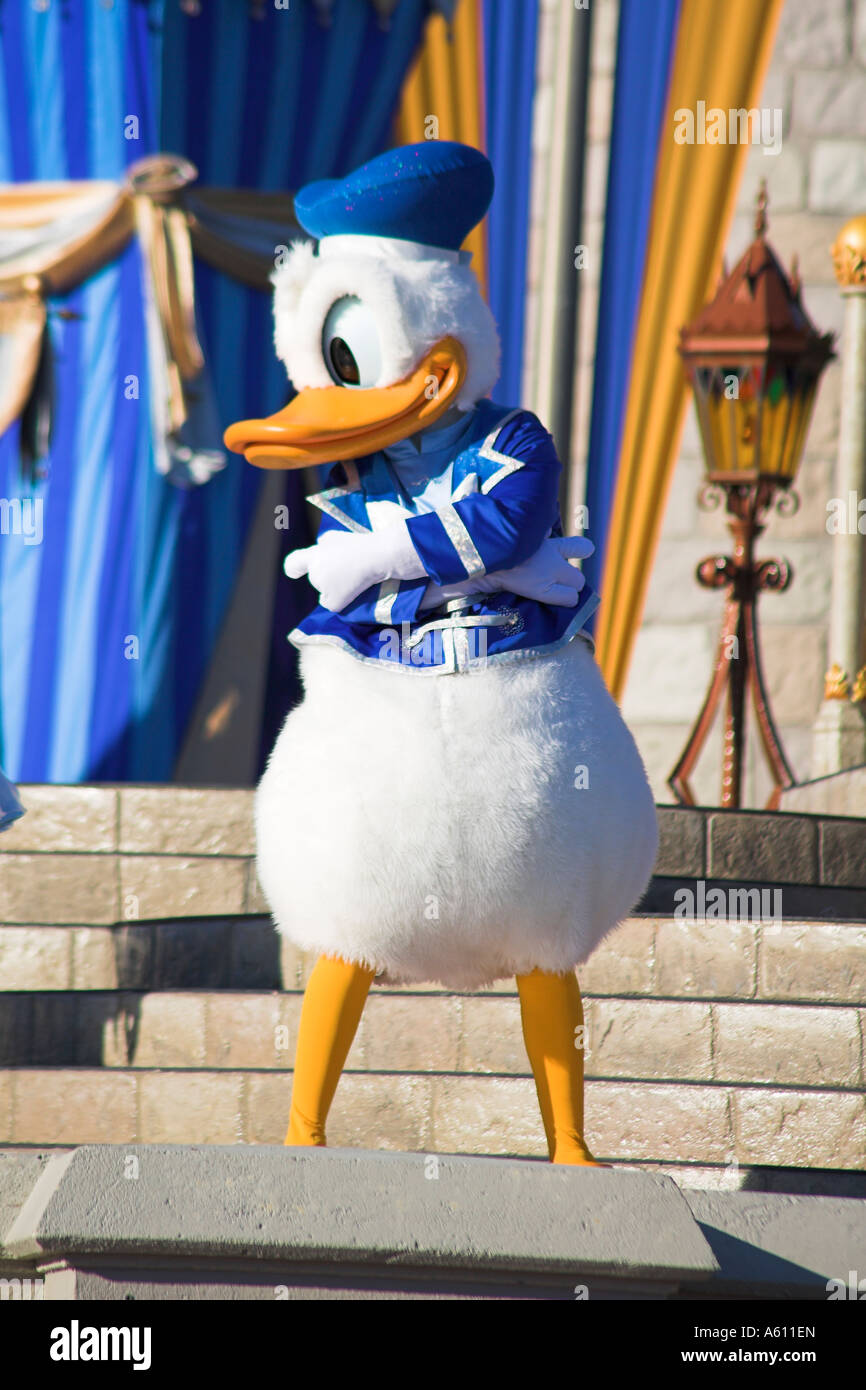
{"x": 457, "y": 798}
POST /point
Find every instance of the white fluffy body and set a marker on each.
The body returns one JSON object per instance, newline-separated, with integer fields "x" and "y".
{"x": 430, "y": 826}
{"x": 416, "y": 303}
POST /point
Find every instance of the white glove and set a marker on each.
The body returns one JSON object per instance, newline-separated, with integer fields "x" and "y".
{"x": 342, "y": 564}
{"x": 546, "y": 576}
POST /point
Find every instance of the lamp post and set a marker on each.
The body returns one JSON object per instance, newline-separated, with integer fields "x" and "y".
{"x": 753, "y": 358}
{"x": 839, "y": 731}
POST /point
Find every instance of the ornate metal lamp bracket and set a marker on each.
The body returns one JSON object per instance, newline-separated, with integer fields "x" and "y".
{"x": 737, "y": 671}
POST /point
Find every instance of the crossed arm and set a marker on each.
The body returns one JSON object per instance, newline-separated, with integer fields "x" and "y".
{"x": 486, "y": 542}
{"x": 342, "y": 565}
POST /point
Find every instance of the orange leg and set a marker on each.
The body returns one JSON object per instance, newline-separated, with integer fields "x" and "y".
{"x": 552, "y": 1015}
{"x": 333, "y": 1003}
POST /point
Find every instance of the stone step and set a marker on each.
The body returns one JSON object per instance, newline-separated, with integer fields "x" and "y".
{"x": 675, "y": 1123}
{"x": 120, "y": 1223}
{"x": 818, "y": 962}
{"x": 99, "y": 855}
{"x": 790, "y": 1045}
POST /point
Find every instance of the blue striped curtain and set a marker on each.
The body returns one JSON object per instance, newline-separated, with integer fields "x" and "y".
{"x": 510, "y": 28}
{"x": 644, "y": 53}
{"x": 106, "y": 628}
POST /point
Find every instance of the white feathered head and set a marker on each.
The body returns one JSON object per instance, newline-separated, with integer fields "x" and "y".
{"x": 394, "y": 299}
{"x": 380, "y": 337}
{"x": 383, "y": 327}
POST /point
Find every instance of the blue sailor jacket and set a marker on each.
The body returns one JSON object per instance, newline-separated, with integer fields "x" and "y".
{"x": 504, "y": 503}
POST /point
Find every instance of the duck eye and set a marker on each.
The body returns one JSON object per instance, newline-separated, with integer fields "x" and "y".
{"x": 342, "y": 362}
{"x": 351, "y": 348}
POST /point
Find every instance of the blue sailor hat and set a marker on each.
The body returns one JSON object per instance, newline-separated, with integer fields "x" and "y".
{"x": 432, "y": 193}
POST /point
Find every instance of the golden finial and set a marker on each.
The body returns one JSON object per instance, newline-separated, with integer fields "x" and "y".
{"x": 858, "y": 693}
{"x": 836, "y": 683}
{"x": 761, "y": 209}
{"x": 849, "y": 253}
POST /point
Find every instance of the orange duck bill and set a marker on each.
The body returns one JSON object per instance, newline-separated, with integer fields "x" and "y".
{"x": 329, "y": 423}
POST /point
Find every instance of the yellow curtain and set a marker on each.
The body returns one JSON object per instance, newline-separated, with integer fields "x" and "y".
{"x": 53, "y": 236}
{"x": 446, "y": 83}
{"x": 22, "y": 325}
{"x": 722, "y": 63}
{"x": 56, "y": 235}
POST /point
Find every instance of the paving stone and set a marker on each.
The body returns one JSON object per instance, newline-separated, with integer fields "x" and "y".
{"x": 169, "y": 1030}
{"x": 63, "y": 819}
{"x": 58, "y": 888}
{"x": 70, "y": 1029}
{"x": 711, "y": 959}
{"x": 186, "y": 820}
{"x": 824, "y": 961}
{"x": 756, "y": 848}
{"x": 258, "y": 1030}
{"x": 673, "y": 1123}
{"x": 843, "y": 854}
{"x": 173, "y": 886}
{"x": 136, "y": 949}
{"x": 255, "y": 955}
{"x": 268, "y": 1096}
{"x": 191, "y": 1107}
{"x": 73, "y": 1107}
{"x": 624, "y": 962}
{"x": 267, "y": 1107}
{"x": 35, "y": 957}
{"x": 193, "y": 954}
{"x": 787, "y": 1044}
{"x": 809, "y": 1129}
{"x": 411, "y": 1033}
{"x": 94, "y": 958}
{"x": 16, "y": 1021}
{"x": 489, "y": 1115}
{"x": 682, "y": 842}
{"x": 493, "y": 1036}
{"x": 648, "y": 1038}
{"x": 381, "y": 1112}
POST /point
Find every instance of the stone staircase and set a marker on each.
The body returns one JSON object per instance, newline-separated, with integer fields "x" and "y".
{"x": 146, "y": 999}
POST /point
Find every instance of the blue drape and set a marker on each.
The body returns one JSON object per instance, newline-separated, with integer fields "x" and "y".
{"x": 509, "y": 34}
{"x": 644, "y": 52}
{"x": 106, "y": 628}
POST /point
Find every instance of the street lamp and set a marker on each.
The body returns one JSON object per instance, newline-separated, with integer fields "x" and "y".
{"x": 753, "y": 358}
